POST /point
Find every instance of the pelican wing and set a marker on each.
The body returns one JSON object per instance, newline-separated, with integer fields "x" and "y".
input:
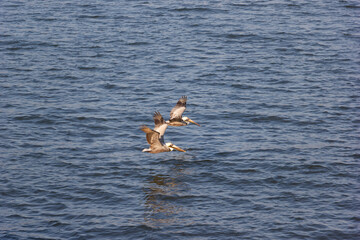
{"x": 179, "y": 109}
{"x": 160, "y": 126}
{"x": 158, "y": 120}
{"x": 152, "y": 137}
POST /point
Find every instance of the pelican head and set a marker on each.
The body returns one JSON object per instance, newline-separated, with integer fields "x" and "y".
{"x": 174, "y": 147}
{"x": 188, "y": 120}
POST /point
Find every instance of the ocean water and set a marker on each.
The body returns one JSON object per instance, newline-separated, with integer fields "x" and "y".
{"x": 274, "y": 84}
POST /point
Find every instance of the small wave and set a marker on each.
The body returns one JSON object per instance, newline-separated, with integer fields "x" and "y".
{"x": 260, "y": 119}
{"x": 138, "y": 43}
{"x": 222, "y": 154}
{"x": 55, "y": 223}
{"x": 67, "y": 164}
{"x": 90, "y": 119}
{"x": 314, "y": 168}
{"x": 248, "y": 170}
{"x": 66, "y": 77}
{"x": 195, "y": 9}
{"x": 352, "y": 6}
{"x": 46, "y": 121}
{"x": 243, "y": 86}
{"x": 19, "y": 45}
{"x": 355, "y": 155}
{"x": 92, "y": 16}
{"x": 54, "y": 206}
{"x": 238, "y": 36}
{"x": 16, "y": 216}
{"x": 47, "y": 19}
{"x": 110, "y": 86}
{"x": 10, "y": 236}
{"x": 306, "y": 123}
{"x": 27, "y": 117}
{"x": 88, "y": 68}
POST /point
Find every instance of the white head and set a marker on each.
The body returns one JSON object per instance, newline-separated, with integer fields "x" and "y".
{"x": 188, "y": 120}
{"x": 174, "y": 147}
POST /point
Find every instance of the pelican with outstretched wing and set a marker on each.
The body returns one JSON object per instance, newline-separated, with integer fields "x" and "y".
{"x": 156, "y": 137}
{"x": 176, "y": 118}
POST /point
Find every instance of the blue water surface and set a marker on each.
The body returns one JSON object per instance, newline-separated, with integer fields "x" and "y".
{"x": 274, "y": 84}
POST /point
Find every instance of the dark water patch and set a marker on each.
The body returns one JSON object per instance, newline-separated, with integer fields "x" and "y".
{"x": 46, "y": 19}
{"x": 346, "y": 202}
{"x": 314, "y": 168}
{"x": 39, "y": 200}
{"x": 306, "y": 123}
{"x": 250, "y": 170}
{"x": 46, "y": 122}
{"x": 96, "y": 194}
{"x": 11, "y": 192}
{"x": 90, "y": 119}
{"x": 17, "y": 216}
{"x": 66, "y": 77}
{"x": 111, "y": 86}
{"x": 289, "y": 167}
{"x": 352, "y": 6}
{"x": 243, "y": 86}
{"x": 138, "y": 43}
{"x": 55, "y": 223}
{"x": 83, "y": 16}
{"x": 141, "y": 231}
{"x": 215, "y": 231}
{"x": 193, "y": 9}
{"x": 224, "y": 154}
{"x": 9, "y": 236}
{"x": 355, "y": 155}
{"x": 94, "y": 174}
{"x": 239, "y": 36}
{"x": 54, "y": 206}
{"x": 88, "y": 68}
{"x": 19, "y": 206}
{"x": 26, "y": 45}
{"x": 290, "y": 197}
{"x": 260, "y": 119}
{"x": 68, "y": 164}
{"x": 33, "y": 155}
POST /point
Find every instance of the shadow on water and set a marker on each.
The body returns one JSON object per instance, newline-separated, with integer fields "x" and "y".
{"x": 163, "y": 194}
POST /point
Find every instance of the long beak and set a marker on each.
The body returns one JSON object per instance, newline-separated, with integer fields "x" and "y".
{"x": 193, "y": 122}
{"x": 177, "y": 148}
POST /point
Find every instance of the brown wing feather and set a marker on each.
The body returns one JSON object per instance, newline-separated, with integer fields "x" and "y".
{"x": 160, "y": 126}
{"x": 158, "y": 120}
{"x": 179, "y": 109}
{"x": 152, "y": 137}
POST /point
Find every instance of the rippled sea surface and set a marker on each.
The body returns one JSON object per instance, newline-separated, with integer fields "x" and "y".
{"x": 274, "y": 84}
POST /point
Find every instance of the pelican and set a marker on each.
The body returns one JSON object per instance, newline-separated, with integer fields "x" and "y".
{"x": 176, "y": 118}
{"x": 156, "y": 137}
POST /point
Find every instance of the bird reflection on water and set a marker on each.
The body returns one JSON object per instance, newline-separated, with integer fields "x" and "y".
{"x": 162, "y": 192}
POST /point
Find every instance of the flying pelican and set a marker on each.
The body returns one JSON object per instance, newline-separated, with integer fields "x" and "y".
{"x": 176, "y": 118}
{"x": 156, "y": 137}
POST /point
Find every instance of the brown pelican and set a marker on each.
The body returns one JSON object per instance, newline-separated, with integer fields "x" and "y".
{"x": 156, "y": 137}
{"x": 176, "y": 118}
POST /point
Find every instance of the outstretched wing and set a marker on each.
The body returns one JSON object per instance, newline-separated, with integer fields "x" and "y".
{"x": 152, "y": 137}
{"x": 158, "y": 120}
{"x": 177, "y": 111}
{"x": 160, "y": 125}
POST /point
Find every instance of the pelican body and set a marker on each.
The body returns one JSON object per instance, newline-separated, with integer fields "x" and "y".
{"x": 176, "y": 118}
{"x": 156, "y": 137}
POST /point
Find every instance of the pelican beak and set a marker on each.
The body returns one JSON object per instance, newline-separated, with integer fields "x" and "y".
{"x": 177, "y": 148}
{"x": 193, "y": 122}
